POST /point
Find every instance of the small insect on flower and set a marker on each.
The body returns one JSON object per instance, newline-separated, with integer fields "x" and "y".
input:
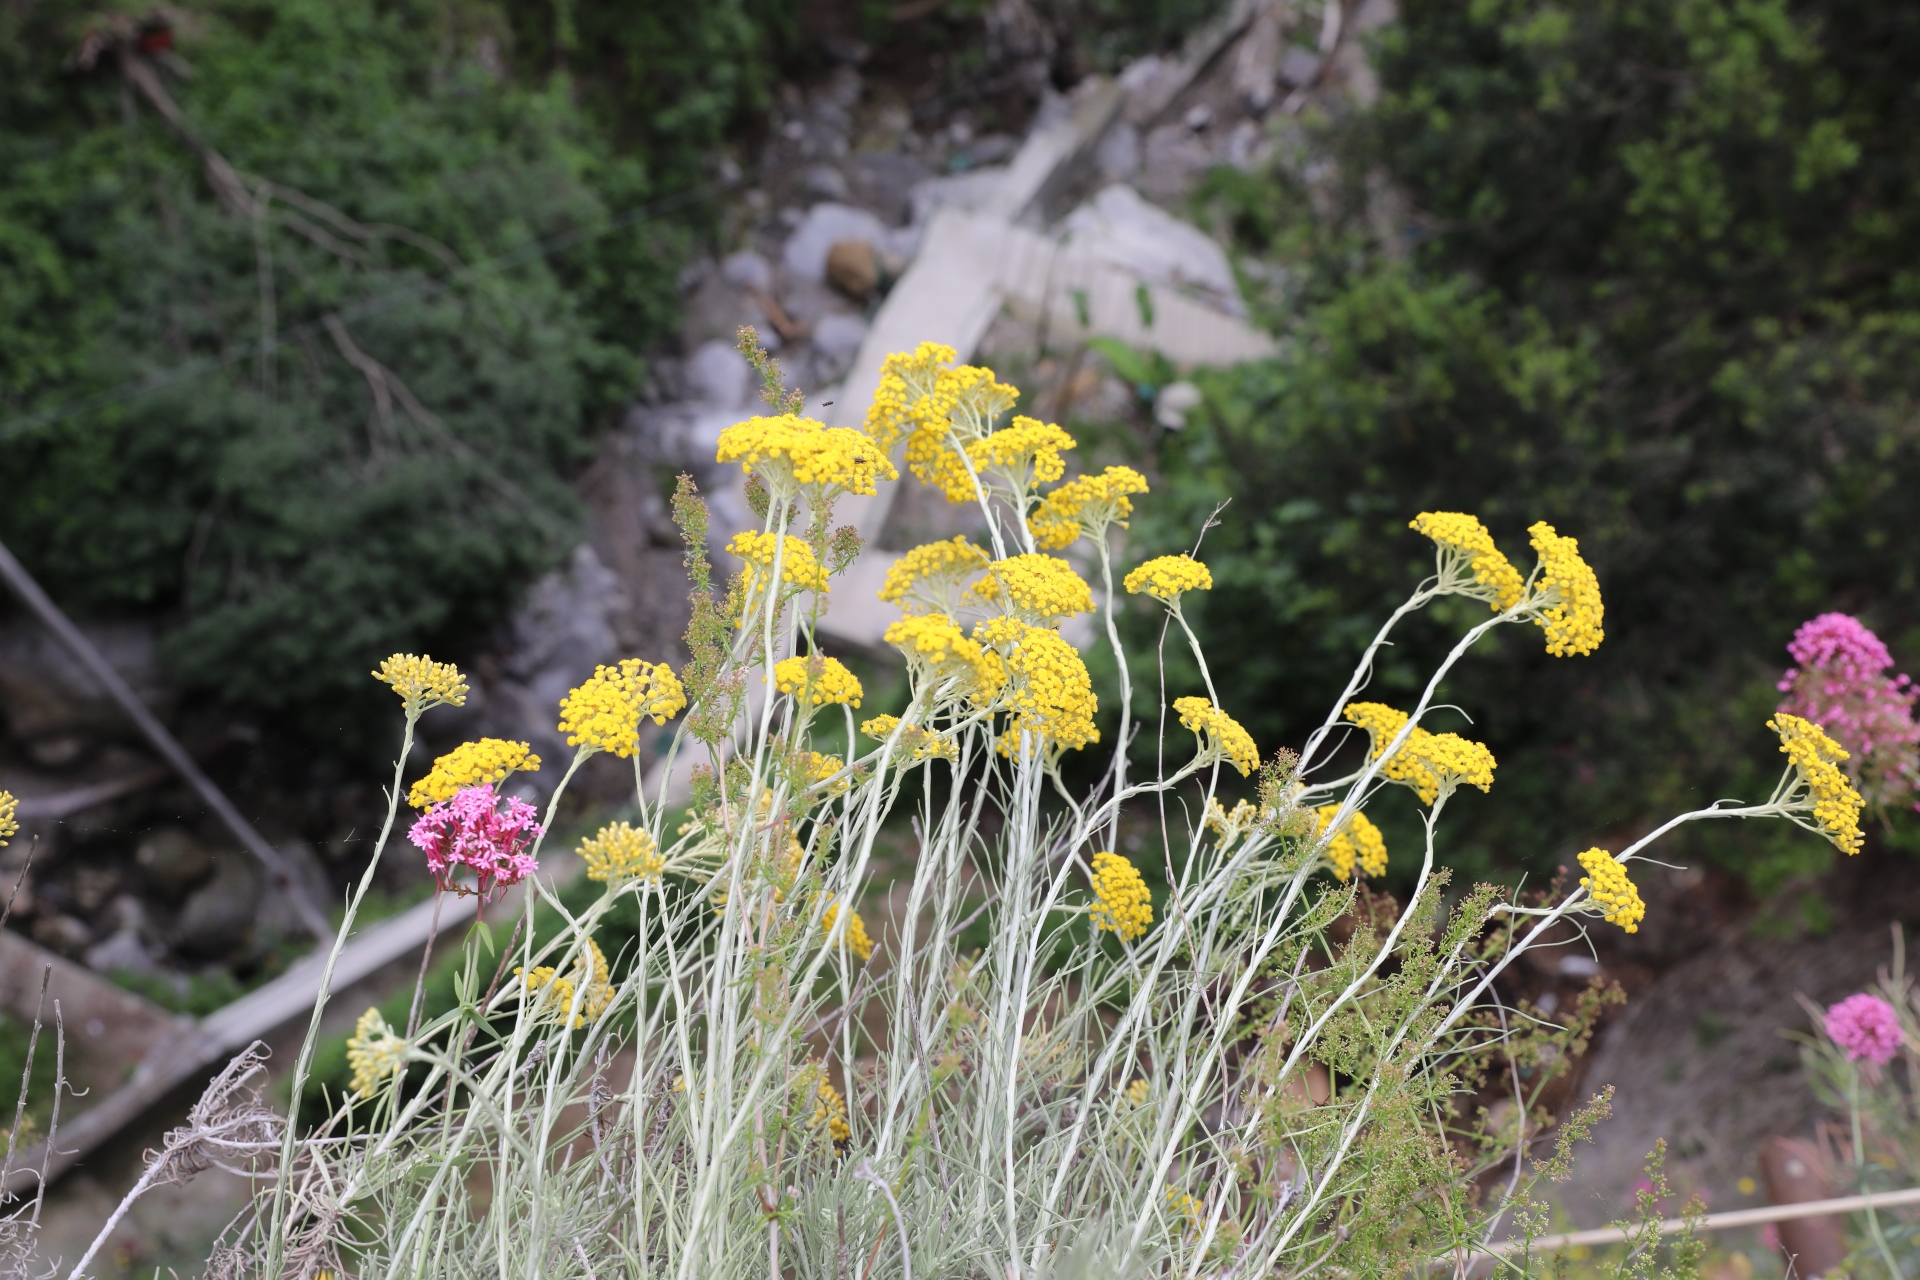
{"x": 1121, "y": 903}
{"x": 421, "y": 682}
{"x": 1866, "y": 1027}
{"x": 1607, "y": 881}
{"x": 475, "y": 834}
{"x": 375, "y": 1052}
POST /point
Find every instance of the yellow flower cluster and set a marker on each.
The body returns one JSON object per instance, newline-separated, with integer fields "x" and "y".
{"x": 9, "y": 817}
{"x": 829, "y": 1109}
{"x": 1137, "y": 1093}
{"x": 915, "y": 743}
{"x": 973, "y": 400}
{"x": 421, "y": 682}
{"x": 1085, "y": 505}
{"x": 620, "y": 852}
{"x": 1191, "y": 1208}
{"x": 1463, "y": 537}
{"x": 1052, "y": 695}
{"x": 857, "y": 940}
{"x": 808, "y": 452}
{"x": 818, "y": 680}
{"x": 1832, "y": 799}
{"x": 604, "y": 713}
{"x": 1228, "y": 827}
{"x": 927, "y": 578}
{"x": 1026, "y": 451}
{"x": 1359, "y": 841}
{"x": 937, "y": 649}
{"x": 1220, "y": 734}
{"x": 799, "y": 567}
{"x": 1169, "y": 577}
{"x": 1121, "y": 902}
{"x": 1042, "y": 589}
{"x": 374, "y": 1052}
{"x": 1430, "y": 763}
{"x": 1607, "y": 881}
{"x": 910, "y": 396}
{"x": 1572, "y": 619}
{"x": 469, "y": 765}
{"x": 589, "y": 976}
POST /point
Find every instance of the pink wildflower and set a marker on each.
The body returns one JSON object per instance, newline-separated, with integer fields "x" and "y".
{"x": 473, "y": 832}
{"x": 1841, "y": 685}
{"x": 1866, "y": 1027}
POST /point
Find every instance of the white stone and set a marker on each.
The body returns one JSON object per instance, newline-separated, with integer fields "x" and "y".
{"x": 805, "y": 254}
{"x": 718, "y": 375}
{"x": 1122, "y": 229}
{"x": 836, "y": 341}
{"x": 747, "y": 270}
{"x": 1175, "y": 401}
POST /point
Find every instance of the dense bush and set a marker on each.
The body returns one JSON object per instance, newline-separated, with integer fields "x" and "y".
{"x": 1642, "y": 270}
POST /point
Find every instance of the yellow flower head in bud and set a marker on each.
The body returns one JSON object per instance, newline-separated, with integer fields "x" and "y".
{"x": 374, "y": 1052}
{"x": 929, "y": 579}
{"x": 1466, "y": 546}
{"x": 1169, "y": 577}
{"x": 1137, "y": 1093}
{"x": 1824, "y": 791}
{"x": 1026, "y": 451}
{"x": 421, "y": 682}
{"x": 805, "y": 452}
{"x": 9, "y": 821}
{"x": 1571, "y": 610}
{"x": 915, "y": 743}
{"x": 799, "y": 567}
{"x": 471, "y": 764}
{"x": 1228, "y": 827}
{"x": 937, "y": 650}
{"x": 1085, "y": 505}
{"x": 1441, "y": 762}
{"x": 1050, "y": 692}
{"x": 1607, "y": 881}
{"x": 604, "y": 713}
{"x": 1042, "y": 589}
{"x": 909, "y": 393}
{"x": 1121, "y": 903}
{"x": 554, "y": 994}
{"x": 1221, "y": 736}
{"x": 818, "y": 680}
{"x": 857, "y": 940}
{"x": 1358, "y": 841}
{"x": 619, "y": 852}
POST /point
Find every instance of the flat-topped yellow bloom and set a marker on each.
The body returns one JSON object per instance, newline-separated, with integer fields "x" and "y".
{"x": 857, "y": 940}
{"x": 1221, "y": 736}
{"x": 915, "y": 743}
{"x": 1085, "y": 505}
{"x": 818, "y": 680}
{"x": 1049, "y": 691}
{"x": 973, "y": 399}
{"x": 1462, "y": 538}
{"x": 1607, "y": 881}
{"x": 1829, "y": 797}
{"x": 1430, "y": 763}
{"x": 421, "y": 682}
{"x": 470, "y": 764}
{"x": 604, "y": 713}
{"x": 807, "y": 452}
{"x": 620, "y": 852}
{"x": 1027, "y": 451}
{"x": 931, "y": 578}
{"x": 910, "y": 396}
{"x": 1571, "y": 611}
{"x": 799, "y": 567}
{"x": 1168, "y": 578}
{"x": 1041, "y": 589}
{"x": 937, "y": 649}
{"x": 1121, "y": 903}
{"x": 1357, "y": 842}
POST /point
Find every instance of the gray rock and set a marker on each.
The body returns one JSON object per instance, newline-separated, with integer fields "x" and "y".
{"x": 219, "y": 915}
{"x": 1120, "y": 228}
{"x": 173, "y": 861}
{"x": 123, "y": 952}
{"x": 718, "y": 375}
{"x": 747, "y": 270}
{"x": 973, "y": 190}
{"x": 836, "y": 341}
{"x": 1175, "y": 401}
{"x": 1198, "y": 116}
{"x": 1117, "y": 156}
{"x": 65, "y": 934}
{"x": 824, "y": 182}
{"x": 805, "y": 254}
{"x": 1299, "y": 67}
{"x": 52, "y": 706}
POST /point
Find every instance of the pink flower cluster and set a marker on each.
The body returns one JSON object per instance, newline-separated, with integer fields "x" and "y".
{"x": 1842, "y": 685}
{"x": 475, "y": 833}
{"x": 1866, "y": 1027}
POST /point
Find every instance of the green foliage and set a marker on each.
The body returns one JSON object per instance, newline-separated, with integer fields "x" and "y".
{"x": 1642, "y": 275}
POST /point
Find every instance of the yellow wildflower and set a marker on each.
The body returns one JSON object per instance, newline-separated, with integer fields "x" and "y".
{"x": 909, "y": 394}
{"x": 818, "y": 680}
{"x": 915, "y": 743}
{"x": 1121, "y": 902}
{"x": 972, "y": 400}
{"x": 604, "y": 713}
{"x": 374, "y": 1052}
{"x": 620, "y": 852}
{"x": 1358, "y": 841}
{"x": 1051, "y": 694}
{"x": 1228, "y": 827}
{"x": 589, "y": 977}
{"x": 799, "y": 567}
{"x": 1026, "y": 451}
{"x": 1829, "y": 797}
{"x": 1430, "y": 763}
{"x": 1221, "y": 736}
{"x": 857, "y": 940}
{"x": 1137, "y": 1093}
{"x": 421, "y": 682}
{"x": 1465, "y": 545}
{"x": 1571, "y": 610}
{"x": 806, "y": 452}
{"x": 1606, "y": 880}
{"x": 1167, "y": 578}
{"x": 927, "y": 579}
{"x": 1085, "y": 505}
{"x": 471, "y": 764}
{"x": 829, "y": 1109}
{"x": 1042, "y": 589}
{"x": 1190, "y": 1208}
{"x": 9, "y": 820}
{"x": 936, "y": 649}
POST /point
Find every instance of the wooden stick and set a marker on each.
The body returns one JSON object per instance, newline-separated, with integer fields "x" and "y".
{"x": 1713, "y": 1221}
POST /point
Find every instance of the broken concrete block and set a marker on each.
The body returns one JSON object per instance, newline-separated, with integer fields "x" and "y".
{"x": 1120, "y": 228}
